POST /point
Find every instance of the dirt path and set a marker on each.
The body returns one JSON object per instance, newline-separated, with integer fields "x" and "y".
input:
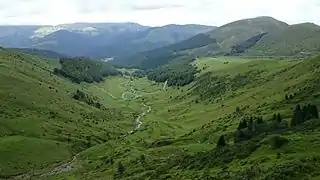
{"x": 68, "y": 166}
{"x": 65, "y": 167}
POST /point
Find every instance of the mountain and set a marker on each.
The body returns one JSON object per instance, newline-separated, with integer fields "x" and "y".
{"x": 295, "y": 40}
{"x": 152, "y": 38}
{"x": 39, "y": 52}
{"x": 160, "y": 56}
{"x": 97, "y": 40}
{"x": 215, "y": 42}
{"x": 239, "y": 31}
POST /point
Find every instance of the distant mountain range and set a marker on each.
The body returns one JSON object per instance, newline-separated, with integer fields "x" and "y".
{"x": 97, "y": 40}
{"x": 261, "y": 36}
{"x": 134, "y": 45}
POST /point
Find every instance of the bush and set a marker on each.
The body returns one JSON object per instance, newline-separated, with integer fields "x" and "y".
{"x": 277, "y": 142}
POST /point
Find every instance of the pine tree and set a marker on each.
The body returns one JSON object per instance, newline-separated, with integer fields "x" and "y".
{"x": 314, "y": 111}
{"x": 250, "y": 124}
{"x": 297, "y": 116}
{"x": 221, "y": 142}
{"x": 286, "y": 97}
{"x": 121, "y": 168}
{"x": 243, "y": 124}
{"x": 259, "y": 120}
{"x": 305, "y": 113}
{"x": 279, "y": 118}
{"x": 274, "y": 117}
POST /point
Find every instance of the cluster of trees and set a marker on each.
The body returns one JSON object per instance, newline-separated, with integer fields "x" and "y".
{"x": 85, "y": 70}
{"x": 158, "y": 57}
{"x": 248, "y": 127}
{"x": 90, "y": 100}
{"x": 139, "y": 73}
{"x": 303, "y": 114}
{"x": 241, "y": 48}
{"x": 177, "y": 74}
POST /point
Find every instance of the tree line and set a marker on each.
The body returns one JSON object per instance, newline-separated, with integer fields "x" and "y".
{"x": 81, "y": 69}
{"x": 177, "y": 74}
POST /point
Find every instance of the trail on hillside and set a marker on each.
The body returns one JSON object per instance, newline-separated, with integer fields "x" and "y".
{"x": 65, "y": 167}
{"x": 69, "y": 165}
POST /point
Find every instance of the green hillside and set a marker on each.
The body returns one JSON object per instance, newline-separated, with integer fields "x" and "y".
{"x": 296, "y": 40}
{"x": 216, "y": 42}
{"x": 239, "y": 31}
{"x": 41, "y": 124}
{"x": 178, "y": 138}
{"x": 189, "y": 118}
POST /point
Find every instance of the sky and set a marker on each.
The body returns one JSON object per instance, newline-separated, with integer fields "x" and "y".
{"x": 155, "y": 13}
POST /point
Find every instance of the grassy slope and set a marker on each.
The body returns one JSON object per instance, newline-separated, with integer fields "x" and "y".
{"x": 237, "y": 32}
{"x": 38, "y": 106}
{"x": 300, "y": 39}
{"x": 178, "y": 127}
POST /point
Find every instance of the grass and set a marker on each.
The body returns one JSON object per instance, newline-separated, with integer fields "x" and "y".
{"x": 183, "y": 126}
{"x": 14, "y": 159}
{"x": 37, "y": 104}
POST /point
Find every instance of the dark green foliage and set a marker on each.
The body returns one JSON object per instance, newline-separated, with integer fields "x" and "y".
{"x": 142, "y": 158}
{"x": 177, "y": 74}
{"x": 40, "y": 52}
{"x": 303, "y": 114}
{"x": 85, "y": 70}
{"x": 277, "y": 142}
{"x": 259, "y": 120}
{"x": 243, "y": 124}
{"x": 250, "y": 124}
{"x": 241, "y": 135}
{"x": 279, "y": 118}
{"x": 297, "y": 116}
{"x": 120, "y": 168}
{"x": 161, "y": 56}
{"x": 221, "y": 142}
{"x": 139, "y": 73}
{"x": 162, "y": 142}
{"x": 287, "y": 97}
{"x": 240, "y": 48}
{"x": 221, "y": 156}
{"x": 90, "y": 100}
{"x": 314, "y": 111}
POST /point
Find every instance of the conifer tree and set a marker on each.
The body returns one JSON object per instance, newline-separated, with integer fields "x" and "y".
{"x": 250, "y": 124}
{"x": 121, "y": 168}
{"x": 314, "y": 112}
{"x": 279, "y": 118}
{"x": 221, "y": 142}
{"x": 297, "y": 116}
{"x": 259, "y": 120}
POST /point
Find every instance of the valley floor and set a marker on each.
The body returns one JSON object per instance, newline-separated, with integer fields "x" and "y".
{"x": 171, "y": 133}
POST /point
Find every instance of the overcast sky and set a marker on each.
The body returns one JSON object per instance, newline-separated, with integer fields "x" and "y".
{"x": 155, "y": 13}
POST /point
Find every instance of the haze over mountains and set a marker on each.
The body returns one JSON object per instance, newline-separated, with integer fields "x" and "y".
{"x": 140, "y": 46}
{"x": 97, "y": 40}
{"x": 261, "y": 36}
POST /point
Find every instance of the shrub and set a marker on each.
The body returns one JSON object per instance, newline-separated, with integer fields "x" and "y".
{"x": 277, "y": 142}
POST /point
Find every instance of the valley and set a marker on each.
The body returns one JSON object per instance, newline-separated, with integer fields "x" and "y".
{"x": 239, "y": 101}
{"x": 147, "y": 128}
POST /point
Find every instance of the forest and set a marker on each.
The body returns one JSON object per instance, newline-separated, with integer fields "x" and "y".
{"x": 81, "y": 69}
{"x": 177, "y": 74}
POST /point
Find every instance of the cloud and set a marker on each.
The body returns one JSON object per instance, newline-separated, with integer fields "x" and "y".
{"x": 147, "y": 12}
{"x": 156, "y": 7}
